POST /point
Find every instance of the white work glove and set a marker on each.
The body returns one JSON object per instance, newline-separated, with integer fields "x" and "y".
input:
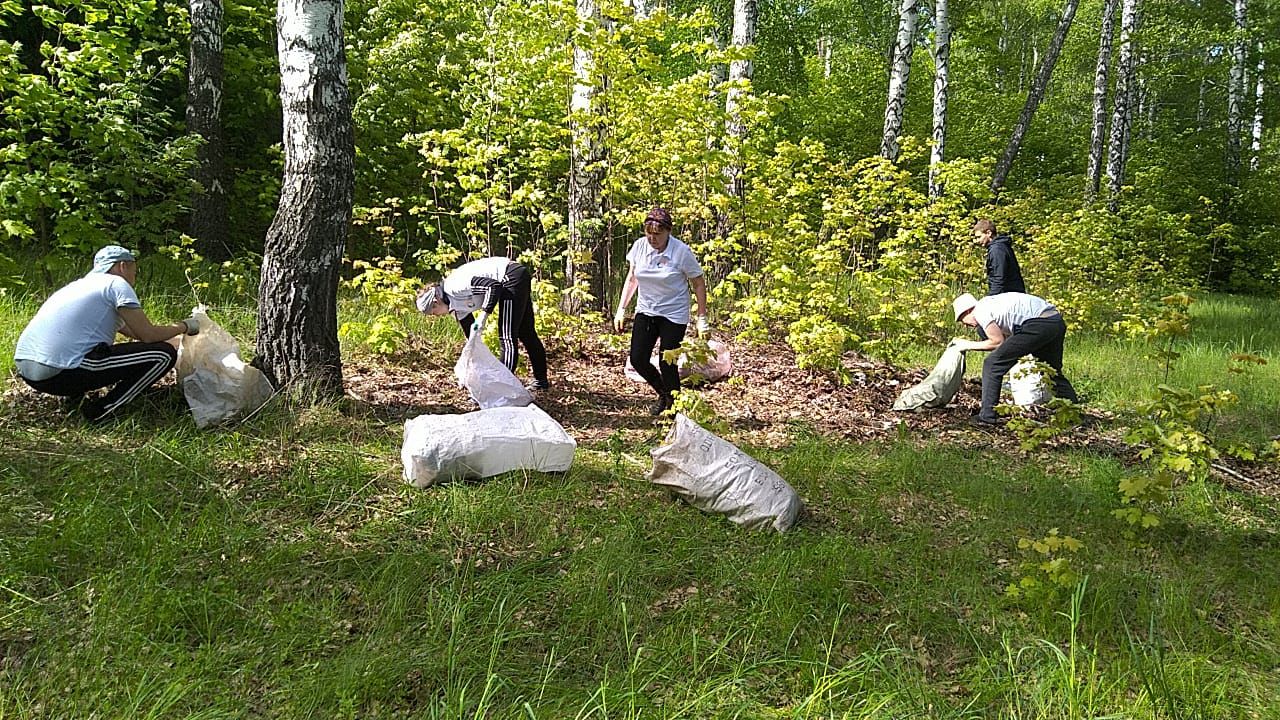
{"x": 963, "y": 344}
{"x": 477, "y": 324}
{"x": 192, "y": 325}
{"x": 619, "y": 319}
{"x": 702, "y": 326}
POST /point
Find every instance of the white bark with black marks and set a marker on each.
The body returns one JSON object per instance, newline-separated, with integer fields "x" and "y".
{"x": 740, "y": 72}
{"x": 1255, "y": 147}
{"x": 302, "y": 255}
{"x": 895, "y": 105}
{"x": 941, "y": 78}
{"x": 209, "y": 223}
{"x": 1038, "y": 87}
{"x": 1236, "y": 89}
{"x": 587, "y": 246}
{"x": 1122, "y": 101}
{"x": 1101, "y": 84}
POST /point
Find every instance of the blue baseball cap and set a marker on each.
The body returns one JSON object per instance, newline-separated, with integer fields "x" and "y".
{"x": 107, "y": 257}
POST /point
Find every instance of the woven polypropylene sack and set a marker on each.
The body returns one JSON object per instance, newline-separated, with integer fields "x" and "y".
{"x": 939, "y": 387}
{"x": 440, "y": 448}
{"x": 488, "y": 381}
{"x": 713, "y": 475}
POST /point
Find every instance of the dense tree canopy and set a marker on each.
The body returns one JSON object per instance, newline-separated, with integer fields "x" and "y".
{"x": 464, "y": 139}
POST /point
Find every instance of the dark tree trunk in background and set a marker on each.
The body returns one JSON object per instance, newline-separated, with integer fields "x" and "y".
{"x": 895, "y": 106}
{"x": 298, "y": 315}
{"x": 1122, "y": 106}
{"x": 210, "y": 225}
{"x": 1101, "y": 84}
{"x": 587, "y": 242}
{"x": 941, "y": 79}
{"x": 1034, "y": 97}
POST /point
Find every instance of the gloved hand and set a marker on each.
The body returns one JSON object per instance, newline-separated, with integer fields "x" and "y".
{"x": 702, "y": 326}
{"x": 619, "y": 319}
{"x": 193, "y": 325}
{"x": 477, "y": 322}
{"x": 964, "y": 344}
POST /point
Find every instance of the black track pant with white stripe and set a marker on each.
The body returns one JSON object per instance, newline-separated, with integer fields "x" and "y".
{"x": 516, "y": 322}
{"x": 129, "y": 367}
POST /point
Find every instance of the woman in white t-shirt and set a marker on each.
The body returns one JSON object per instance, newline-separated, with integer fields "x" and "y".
{"x": 662, "y": 268}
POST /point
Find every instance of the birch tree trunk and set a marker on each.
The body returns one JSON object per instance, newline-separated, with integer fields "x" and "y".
{"x": 209, "y": 224}
{"x": 1101, "y": 84}
{"x": 1236, "y": 90}
{"x": 740, "y": 72}
{"x": 908, "y": 14}
{"x": 1122, "y": 106}
{"x": 1255, "y": 147}
{"x": 297, "y": 317}
{"x": 586, "y": 225}
{"x": 1034, "y": 97}
{"x": 942, "y": 66}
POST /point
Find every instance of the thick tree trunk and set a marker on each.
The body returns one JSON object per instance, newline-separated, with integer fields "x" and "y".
{"x": 297, "y": 316}
{"x": 941, "y": 72}
{"x": 908, "y": 14}
{"x": 1255, "y": 147}
{"x": 740, "y": 71}
{"x": 1122, "y": 106}
{"x": 209, "y": 225}
{"x": 1236, "y": 90}
{"x": 587, "y": 246}
{"x": 1034, "y": 97}
{"x": 1101, "y": 83}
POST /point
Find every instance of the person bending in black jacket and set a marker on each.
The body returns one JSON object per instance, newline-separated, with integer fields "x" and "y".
{"x": 1003, "y": 273}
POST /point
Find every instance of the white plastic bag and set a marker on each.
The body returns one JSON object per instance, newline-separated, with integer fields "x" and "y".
{"x": 717, "y": 367}
{"x": 940, "y": 387}
{"x": 490, "y": 383}
{"x": 440, "y": 448}
{"x": 712, "y": 475}
{"x": 1027, "y": 385}
{"x": 218, "y": 385}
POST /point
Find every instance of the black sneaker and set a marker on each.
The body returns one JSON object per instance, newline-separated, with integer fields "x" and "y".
{"x": 980, "y": 422}
{"x": 660, "y": 405}
{"x": 538, "y": 385}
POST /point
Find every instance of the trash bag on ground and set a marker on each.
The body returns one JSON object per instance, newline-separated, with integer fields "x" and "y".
{"x": 218, "y": 385}
{"x": 713, "y": 475}
{"x": 1027, "y": 384}
{"x": 939, "y": 387}
{"x": 488, "y": 381}
{"x": 717, "y": 367}
{"x": 443, "y": 448}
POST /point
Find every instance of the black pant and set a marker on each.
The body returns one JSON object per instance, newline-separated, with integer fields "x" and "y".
{"x": 129, "y": 367}
{"x": 516, "y": 321}
{"x": 1040, "y": 338}
{"x": 645, "y": 331}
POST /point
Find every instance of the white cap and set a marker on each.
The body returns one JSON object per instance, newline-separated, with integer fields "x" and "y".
{"x": 428, "y": 298}
{"x": 963, "y": 304}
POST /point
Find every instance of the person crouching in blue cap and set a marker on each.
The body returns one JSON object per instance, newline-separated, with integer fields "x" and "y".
{"x": 68, "y": 348}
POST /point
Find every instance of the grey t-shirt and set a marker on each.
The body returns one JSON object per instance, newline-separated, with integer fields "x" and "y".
{"x": 74, "y": 320}
{"x": 1008, "y": 310}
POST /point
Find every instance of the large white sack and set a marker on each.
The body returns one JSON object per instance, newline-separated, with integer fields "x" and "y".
{"x": 488, "y": 381}
{"x": 218, "y": 385}
{"x": 940, "y": 387}
{"x": 712, "y": 475}
{"x": 1027, "y": 385}
{"x": 440, "y": 448}
{"x": 717, "y": 367}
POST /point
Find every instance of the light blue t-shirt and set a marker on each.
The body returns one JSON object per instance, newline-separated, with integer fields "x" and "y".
{"x": 75, "y": 319}
{"x": 663, "y": 278}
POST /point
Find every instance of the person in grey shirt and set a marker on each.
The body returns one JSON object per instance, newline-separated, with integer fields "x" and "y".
{"x": 1015, "y": 324}
{"x": 68, "y": 348}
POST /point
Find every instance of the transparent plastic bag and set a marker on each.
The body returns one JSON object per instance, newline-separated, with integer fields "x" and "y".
{"x": 217, "y": 384}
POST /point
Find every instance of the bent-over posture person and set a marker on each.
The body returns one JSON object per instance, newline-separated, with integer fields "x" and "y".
{"x": 1016, "y": 324}
{"x": 68, "y": 347}
{"x": 474, "y": 290}
{"x": 662, "y": 268}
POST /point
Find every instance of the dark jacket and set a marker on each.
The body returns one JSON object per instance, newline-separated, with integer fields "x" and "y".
{"x": 1003, "y": 273}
